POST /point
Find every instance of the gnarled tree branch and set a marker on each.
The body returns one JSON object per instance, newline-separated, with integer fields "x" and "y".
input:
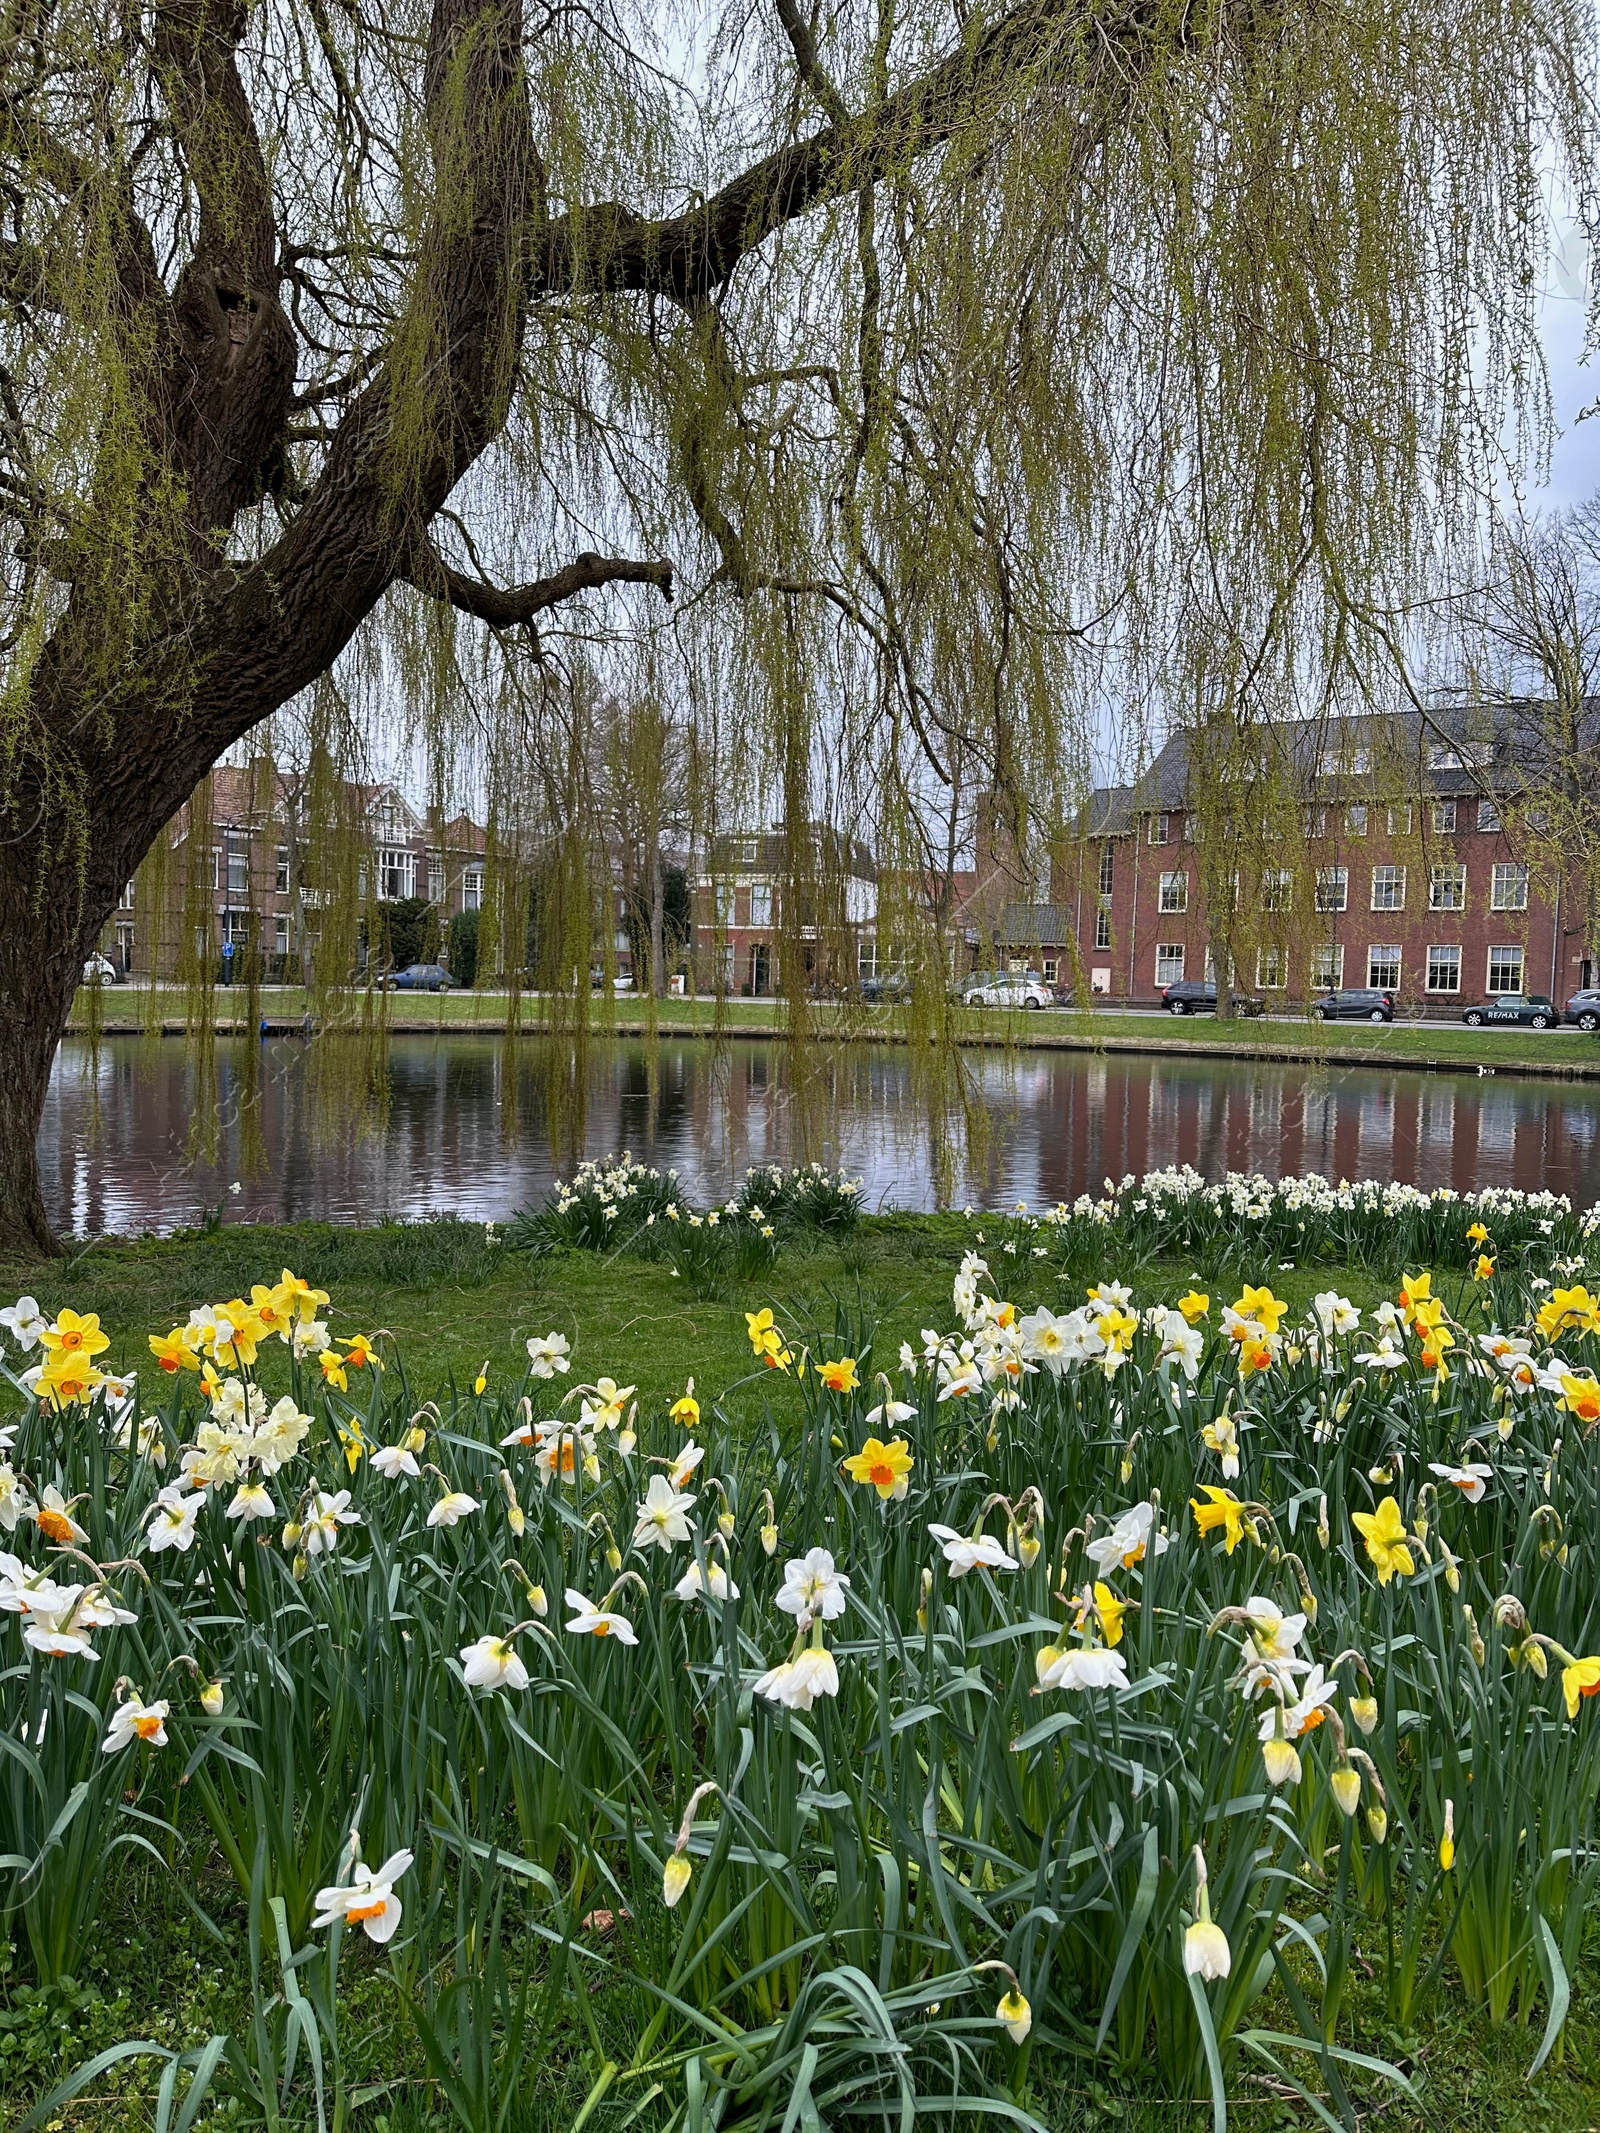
{"x": 508, "y": 607}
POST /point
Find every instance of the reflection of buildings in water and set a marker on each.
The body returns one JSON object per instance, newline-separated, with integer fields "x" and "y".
{"x": 114, "y": 1142}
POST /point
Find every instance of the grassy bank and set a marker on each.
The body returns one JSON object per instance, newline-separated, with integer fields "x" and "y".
{"x": 1433, "y": 1045}
{"x": 342, "y": 1694}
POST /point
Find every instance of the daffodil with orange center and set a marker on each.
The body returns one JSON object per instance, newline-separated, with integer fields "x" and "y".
{"x": 75, "y": 1337}
{"x": 359, "y": 1353}
{"x": 884, "y": 1467}
{"x": 173, "y": 1352}
{"x": 1581, "y": 1397}
{"x": 1579, "y": 1678}
{"x": 840, "y": 1376}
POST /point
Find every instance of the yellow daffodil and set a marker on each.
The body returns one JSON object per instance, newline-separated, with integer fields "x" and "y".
{"x": 1261, "y": 1305}
{"x": 839, "y": 1376}
{"x": 359, "y": 1352}
{"x": 1223, "y": 1509}
{"x": 237, "y": 1334}
{"x": 481, "y": 1381}
{"x": 1581, "y": 1678}
{"x": 173, "y": 1352}
{"x": 274, "y": 1311}
{"x": 1384, "y": 1532}
{"x": 687, "y": 1409}
{"x": 884, "y": 1467}
{"x": 74, "y": 1337}
{"x": 1484, "y": 1270}
{"x": 765, "y": 1338}
{"x": 333, "y": 1369}
{"x": 1477, "y": 1234}
{"x": 1194, "y": 1306}
{"x": 1568, "y": 1311}
{"x": 1116, "y": 1328}
{"x": 1109, "y": 1609}
{"x": 300, "y": 1296}
{"x": 1581, "y": 1397}
{"x": 68, "y": 1380}
{"x": 1255, "y": 1355}
{"x": 1415, "y": 1289}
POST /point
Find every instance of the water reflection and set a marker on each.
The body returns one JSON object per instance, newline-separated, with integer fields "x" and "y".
{"x": 116, "y": 1130}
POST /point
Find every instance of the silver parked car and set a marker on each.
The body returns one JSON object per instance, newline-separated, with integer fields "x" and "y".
{"x": 1005, "y": 988}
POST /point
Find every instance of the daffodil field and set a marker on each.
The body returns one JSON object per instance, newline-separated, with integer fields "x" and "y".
{"x": 1106, "y": 1680}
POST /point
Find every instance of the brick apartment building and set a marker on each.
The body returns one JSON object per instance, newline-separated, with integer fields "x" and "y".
{"x": 738, "y": 910}
{"x": 255, "y": 869}
{"x": 1412, "y": 866}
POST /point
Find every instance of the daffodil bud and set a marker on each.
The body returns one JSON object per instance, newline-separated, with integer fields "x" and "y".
{"x": 1447, "y": 1843}
{"x": 1282, "y": 1761}
{"x": 1346, "y": 1784}
{"x": 538, "y": 1604}
{"x": 300, "y": 1565}
{"x": 1324, "y": 1535}
{"x": 1015, "y": 2016}
{"x": 291, "y": 1532}
{"x": 1028, "y": 1546}
{"x": 725, "y": 1524}
{"x": 1205, "y": 1950}
{"x": 1381, "y": 1475}
{"x": 674, "y": 1879}
{"x": 1534, "y": 1655}
{"x": 1452, "y": 1571}
{"x": 769, "y": 1540}
{"x": 1475, "y": 1640}
{"x": 1364, "y": 1710}
{"x": 416, "y": 1440}
{"x": 613, "y": 1557}
{"x": 211, "y": 1698}
{"x": 1377, "y": 1823}
{"x": 1044, "y": 1659}
{"x": 626, "y": 1440}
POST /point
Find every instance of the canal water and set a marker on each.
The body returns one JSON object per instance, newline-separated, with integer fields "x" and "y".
{"x": 460, "y": 1130}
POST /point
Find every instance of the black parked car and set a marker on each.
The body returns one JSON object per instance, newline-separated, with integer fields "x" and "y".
{"x": 1584, "y": 1008}
{"x": 420, "y": 977}
{"x": 888, "y": 985}
{"x": 1359, "y": 1004}
{"x": 1527, "y": 1010}
{"x": 1192, "y": 996}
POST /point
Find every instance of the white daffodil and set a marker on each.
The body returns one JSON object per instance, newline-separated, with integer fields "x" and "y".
{"x": 591, "y": 1621}
{"x": 1206, "y": 1952}
{"x": 890, "y": 1415}
{"x": 964, "y": 1554}
{"x": 1081, "y": 1666}
{"x": 393, "y": 1460}
{"x": 320, "y": 1534}
{"x": 453, "y": 1506}
{"x": 1272, "y": 1633}
{"x": 685, "y": 1460}
{"x": 1182, "y": 1344}
{"x": 716, "y": 1583}
{"x": 1335, "y": 1313}
{"x": 493, "y": 1663}
{"x": 251, "y": 1500}
{"x": 15, "y": 1502}
{"x": 603, "y": 1403}
{"x": 959, "y": 1378}
{"x": 310, "y": 1337}
{"x": 55, "y": 1625}
{"x": 172, "y": 1518}
{"x": 369, "y": 1900}
{"x": 279, "y": 1435}
{"x": 1133, "y": 1535}
{"x": 813, "y": 1588}
{"x": 1306, "y": 1712}
{"x": 1386, "y": 1356}
{"x": 132, "y": 1721}
{"x": 24, "y": 1321}
{"x": 548, "y": 1353}
{"x": 1471, "y": 1479}
{"x": 55, "y": 1521}
{"x": 661, "y": 1521}
{"x": 797, "y": 1683}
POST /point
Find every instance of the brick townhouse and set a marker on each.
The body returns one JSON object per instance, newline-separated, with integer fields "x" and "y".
{"x": 1410, "y": 860}
{"x": 738, "y": 909}
{"x": 256, "y": 867}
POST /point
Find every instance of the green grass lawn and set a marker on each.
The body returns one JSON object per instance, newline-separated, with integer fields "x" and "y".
{"x": 453, "y": 1300}
{"x": 1509, "y": 1051}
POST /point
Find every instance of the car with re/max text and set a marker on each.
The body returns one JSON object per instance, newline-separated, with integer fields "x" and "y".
{"x": 1513, "y": 1010}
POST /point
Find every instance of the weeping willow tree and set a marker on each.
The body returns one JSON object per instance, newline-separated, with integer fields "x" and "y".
{"x": 960, "y": 368}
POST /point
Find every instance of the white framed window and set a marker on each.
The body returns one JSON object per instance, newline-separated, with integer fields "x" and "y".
{"x": 1400, "y": 821}
{"x": 1505, "y": 970}
{"x": 1388, "y": 888}
{"x": 1442, "y": 756}
{"x": 1174, "y": 892}
{"x": 1327, "y": 966}
{"x": 1190, "y": 822}
{"x": 867, "y": 956}
{"x": 1333, "y": 888}
{"x": 1315, "y": 822}
{"x": 1444, "y": 968}
{"x": 281, "y": 935}
{"x": 1355, "y": 821}
{"x": 1444, "y": 817}
{"x": 125, "y": 945}
{"x": 127, "y": 897}
{"x": 280, "y": 871}
{"x": 1102, "y": 927}
{"x": 1447, "y": 888}
{"x": 1277, "y": 889}
{"x": 397, "y": 873}
{"x": 1052, "y": 967}
{"x": 1160, "y": 829}
{"x": 1509, "y": 890}
{"x": 472, "y": 889}
{"x": 1489, "y": 815}
{"x": 1272, "y": 969}
{"x": 435, "y": 880}
{"x": 1383, "y": 966}
{"x": 1169, "y": 962}
{"x": 1108, "y": 867}
{"x": 761, "y": 903}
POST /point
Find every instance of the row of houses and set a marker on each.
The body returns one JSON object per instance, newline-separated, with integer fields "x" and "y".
{"x": 1420, "y": 860}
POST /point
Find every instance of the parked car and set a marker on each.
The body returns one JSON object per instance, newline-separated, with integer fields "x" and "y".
{"x": 888, "y": 985}
{"x": 1198, "y": 996}
{"x": 1357, "y": 1004}
{"x": 420, "y": 977}
{"x": 1006, "y": 988}
{"x": 1584, "y": 1008}
{"x": 1528, "y": 1010}
{"x": 100, "y": 970}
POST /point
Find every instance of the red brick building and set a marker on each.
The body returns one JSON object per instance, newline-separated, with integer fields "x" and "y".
{"x": 1413, "y": 858}
{"x": 739, "y": 910}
